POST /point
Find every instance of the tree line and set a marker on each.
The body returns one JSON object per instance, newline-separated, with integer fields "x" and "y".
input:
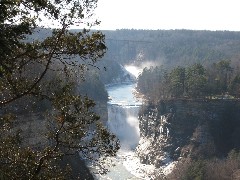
{"x": 219, "y": 80}
{"x": 172, "y": 47}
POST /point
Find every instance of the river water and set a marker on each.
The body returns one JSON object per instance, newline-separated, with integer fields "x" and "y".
{"x": 123, "y": 121}
{"x": 123, "y": 115}
{"x": 123, "y": 110}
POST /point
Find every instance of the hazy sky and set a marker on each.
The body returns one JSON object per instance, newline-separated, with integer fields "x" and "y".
{"x": 169, "y": 14}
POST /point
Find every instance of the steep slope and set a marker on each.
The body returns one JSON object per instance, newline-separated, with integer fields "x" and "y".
{"x": 188, "y": 129}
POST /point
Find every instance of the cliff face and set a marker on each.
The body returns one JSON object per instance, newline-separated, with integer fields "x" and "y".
{"x": 188, "y": 128}
{"x": 33, "y": 128}
{"x": 101, "y": 109}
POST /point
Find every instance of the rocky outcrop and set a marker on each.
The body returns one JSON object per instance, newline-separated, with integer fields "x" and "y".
{"x": 33, "y": 129}
{"x": 101, "y": 109}
{"x": 186, "y": 128}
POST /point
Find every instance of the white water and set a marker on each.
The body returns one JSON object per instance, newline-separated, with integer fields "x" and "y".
{"x": 123, "y": 115}
{"x": 123, "y": 110}
{"x": 123, "y": 121}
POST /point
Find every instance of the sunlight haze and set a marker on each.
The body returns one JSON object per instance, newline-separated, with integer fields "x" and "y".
{"x": 169, "y": 14}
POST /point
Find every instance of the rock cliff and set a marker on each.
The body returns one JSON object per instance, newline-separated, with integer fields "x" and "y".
{"x": 176, "y": 129}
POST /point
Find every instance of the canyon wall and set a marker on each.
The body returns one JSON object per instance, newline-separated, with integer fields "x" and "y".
{"x": 175, "y": 129}
{"x": 33, "y": 130}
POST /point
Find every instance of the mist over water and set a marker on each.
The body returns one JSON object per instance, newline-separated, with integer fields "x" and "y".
{"x": 124, "y": 123}
{"x": 137, "y": 70}
{"x": 134, "y": 70}
{"x": 122, "y": 115}
{"x": 123, "y": 110}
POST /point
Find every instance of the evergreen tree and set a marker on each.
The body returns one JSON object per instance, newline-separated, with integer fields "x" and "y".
{"x": 223, "y": 76}
{"x": 177, "y": 79}
{"x": 196, "y": 80}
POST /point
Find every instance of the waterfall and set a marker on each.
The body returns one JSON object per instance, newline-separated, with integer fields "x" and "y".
{"x": 124, "y": 123}
{"x": 123, "y": 115}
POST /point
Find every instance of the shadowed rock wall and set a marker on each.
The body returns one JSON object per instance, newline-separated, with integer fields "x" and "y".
{"x": 188, "y": 128}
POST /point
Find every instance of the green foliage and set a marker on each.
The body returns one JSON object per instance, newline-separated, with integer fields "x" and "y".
{"x": 195, "y": 81}
{"x": 177, "y": 81}
{"x": 154, "y": 83}
{"x": 43, "y": 116}
{"x": 224, "y": 71}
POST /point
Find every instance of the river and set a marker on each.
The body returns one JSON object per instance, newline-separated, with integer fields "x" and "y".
{"x": 123, "y": 111}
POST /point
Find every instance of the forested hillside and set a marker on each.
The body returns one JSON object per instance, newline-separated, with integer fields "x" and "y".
{"x": 220, "y": 80}
{"x": 192, "y": 101}
{"x": 172, "y": 47}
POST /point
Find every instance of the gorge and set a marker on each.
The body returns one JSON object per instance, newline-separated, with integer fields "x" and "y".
{"x": 66, "y": 98}
{"x": 123, "y": 120}
{"x": 155, "y": 137}
{"x": 123, "y": 109}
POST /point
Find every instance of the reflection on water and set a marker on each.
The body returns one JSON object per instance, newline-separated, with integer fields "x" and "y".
{"x": 123, "y": 95}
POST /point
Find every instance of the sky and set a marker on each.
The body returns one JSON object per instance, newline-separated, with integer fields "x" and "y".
{"x": 169, "y": 14}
